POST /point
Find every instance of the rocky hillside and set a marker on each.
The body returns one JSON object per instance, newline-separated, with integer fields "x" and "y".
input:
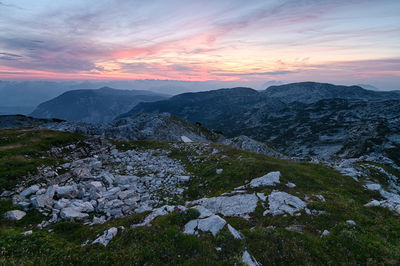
{"x": 71, "y": 199}
{"x": 311, "y": 92}
{"x": 93, "y": 106}
{"x": 301, "y": 119}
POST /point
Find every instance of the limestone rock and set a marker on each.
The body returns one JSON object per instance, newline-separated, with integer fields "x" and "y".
{"x": 70, "y": 213}
{"x": 237, "y": 205}
{"x": 14, "y": 215}
{"x": 30, "y": 190}
{"x": 236, "y": 234}
{"x": 282, "y": 202}
{"x": 211, "y": 224}
{"x": 249, "y": 260}
{"x": 269, "y": 179}
{"x": 186, "y": 139}
{"x": 106, "y": 237}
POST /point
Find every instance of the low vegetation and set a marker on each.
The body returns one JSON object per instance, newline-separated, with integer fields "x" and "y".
{"x": 281, "y": 239}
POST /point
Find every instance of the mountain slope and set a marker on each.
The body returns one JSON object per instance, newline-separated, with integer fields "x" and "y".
{"x": 93, "y": 106}
{"x": 310, "y": 92}
{"x": 90, "y": 201}
{"x": 321, "y": 120}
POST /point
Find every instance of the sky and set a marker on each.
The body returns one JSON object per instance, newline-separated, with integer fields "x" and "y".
{"x": 337, "y": 41}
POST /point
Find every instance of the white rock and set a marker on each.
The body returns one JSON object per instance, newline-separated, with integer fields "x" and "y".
{"x": 203, "y": 211}
{"x": 41, "y": 201}
{"x": 373, "y": 186}
{"x": 30, "y": 190}
{"x": 156, "y": 212}
{"x": 61, "y": 203}
{"x": 72, "y": 213}
{"x": 237, "y": 205}
{"x": 249, "y": 260}
{"x": 26, "y": 233}
{"x": 236, "y": 234}
{"x": 290, "y": 185}
{"x": 51, "y": 190}
{"x": 183, "y": 178}
{"x": 373, "y": 203}
{"x": 106, "y": 237}
{"x": 282, "y": 202}
{"x": 211, "y": 224}
{"x": 326, "y": 233}
{"x": 67, "y": 191}
{"x": 190, "y": 227}
{"x": 321, "y": 198}
{"x": 186, "y": 139}
{"x": 269, "y": 179}
{"x": 351, "y": 222}
{"x": 14, "y": 215}
{"x": 219, "y": 171}
{"x": 261, "y": 196}
{"x": 100, "y": 220}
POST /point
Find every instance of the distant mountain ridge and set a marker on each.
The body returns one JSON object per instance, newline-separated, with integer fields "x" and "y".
{"x": 93, "y": 106}
{"x": 310, "y": 92}
{"x": 301, "y": 119}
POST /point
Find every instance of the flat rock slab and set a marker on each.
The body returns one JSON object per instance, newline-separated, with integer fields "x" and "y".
{"x": 14, "y": 215}
{"x": 106, "y": 237}
{"x": 282, "y": 202}
{"x": 237, "y": 205}
{"x": 269, "y": 179}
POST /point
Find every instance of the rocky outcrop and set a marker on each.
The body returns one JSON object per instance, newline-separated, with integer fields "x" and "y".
{"x": 14, "y": 215}
{"x": 284, "y": 203}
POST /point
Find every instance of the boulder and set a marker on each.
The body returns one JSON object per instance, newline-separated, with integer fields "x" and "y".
{"x": 71, "y": 213}
{"x": 67, "y": 191}
{"x": 290, "y": 185}
{"x": 237, "y": 205}
{"x": 282, "y": 202}
{"x": 14, "y": 215}
{"x": 61, "y": 204}
{"x": 236, "y": 234}
{"x": 211, "y": 224}
{"x": 106, "y": 237}
{"x": 269, "y": 179}
{"x": 30, "y": 190}
{"x": 249, "y": 260}
{"x": 41, "y": 201}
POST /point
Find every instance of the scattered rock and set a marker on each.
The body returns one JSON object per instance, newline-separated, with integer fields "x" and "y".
{"x": 70, "y": 213}
{"x": 249, "y": 260}
{"x": 290, "y": 185}
{"x": 14, "y": 215}
{"x": 237, "y": 205}
{"x": 269, "y": 179}
{"x": 30, "y": 190}
{"x": 211, "y": 224}
{"x": 26, "y": 233}
{"x": 105, "y": 238}
{"x": 236, "y": 234}
{"x": 351, "y": 222}
{"x": 282, "y": 202}
{"x": 219, "y": 171}
{"x": 325, "y": 233}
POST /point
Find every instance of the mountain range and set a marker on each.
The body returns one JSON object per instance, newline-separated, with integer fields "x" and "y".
{"x": 301, "y": 119}
{"x": 93, "y": 106}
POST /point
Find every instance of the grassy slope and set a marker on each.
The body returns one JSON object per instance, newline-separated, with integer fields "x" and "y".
{"x": 374, "y": 240}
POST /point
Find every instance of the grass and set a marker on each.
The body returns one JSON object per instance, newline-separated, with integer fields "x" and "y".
{"x": 373, "y": 241}
{"x": 23, "y": 151}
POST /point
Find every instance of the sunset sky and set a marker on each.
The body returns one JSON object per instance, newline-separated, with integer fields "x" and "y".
{"x": 349, "y": 42}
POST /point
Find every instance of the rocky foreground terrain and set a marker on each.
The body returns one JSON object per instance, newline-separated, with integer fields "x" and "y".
{"x": 74, "y": 199}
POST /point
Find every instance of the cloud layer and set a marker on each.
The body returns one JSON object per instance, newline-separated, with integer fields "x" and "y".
{"x": 337, "y": 41}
